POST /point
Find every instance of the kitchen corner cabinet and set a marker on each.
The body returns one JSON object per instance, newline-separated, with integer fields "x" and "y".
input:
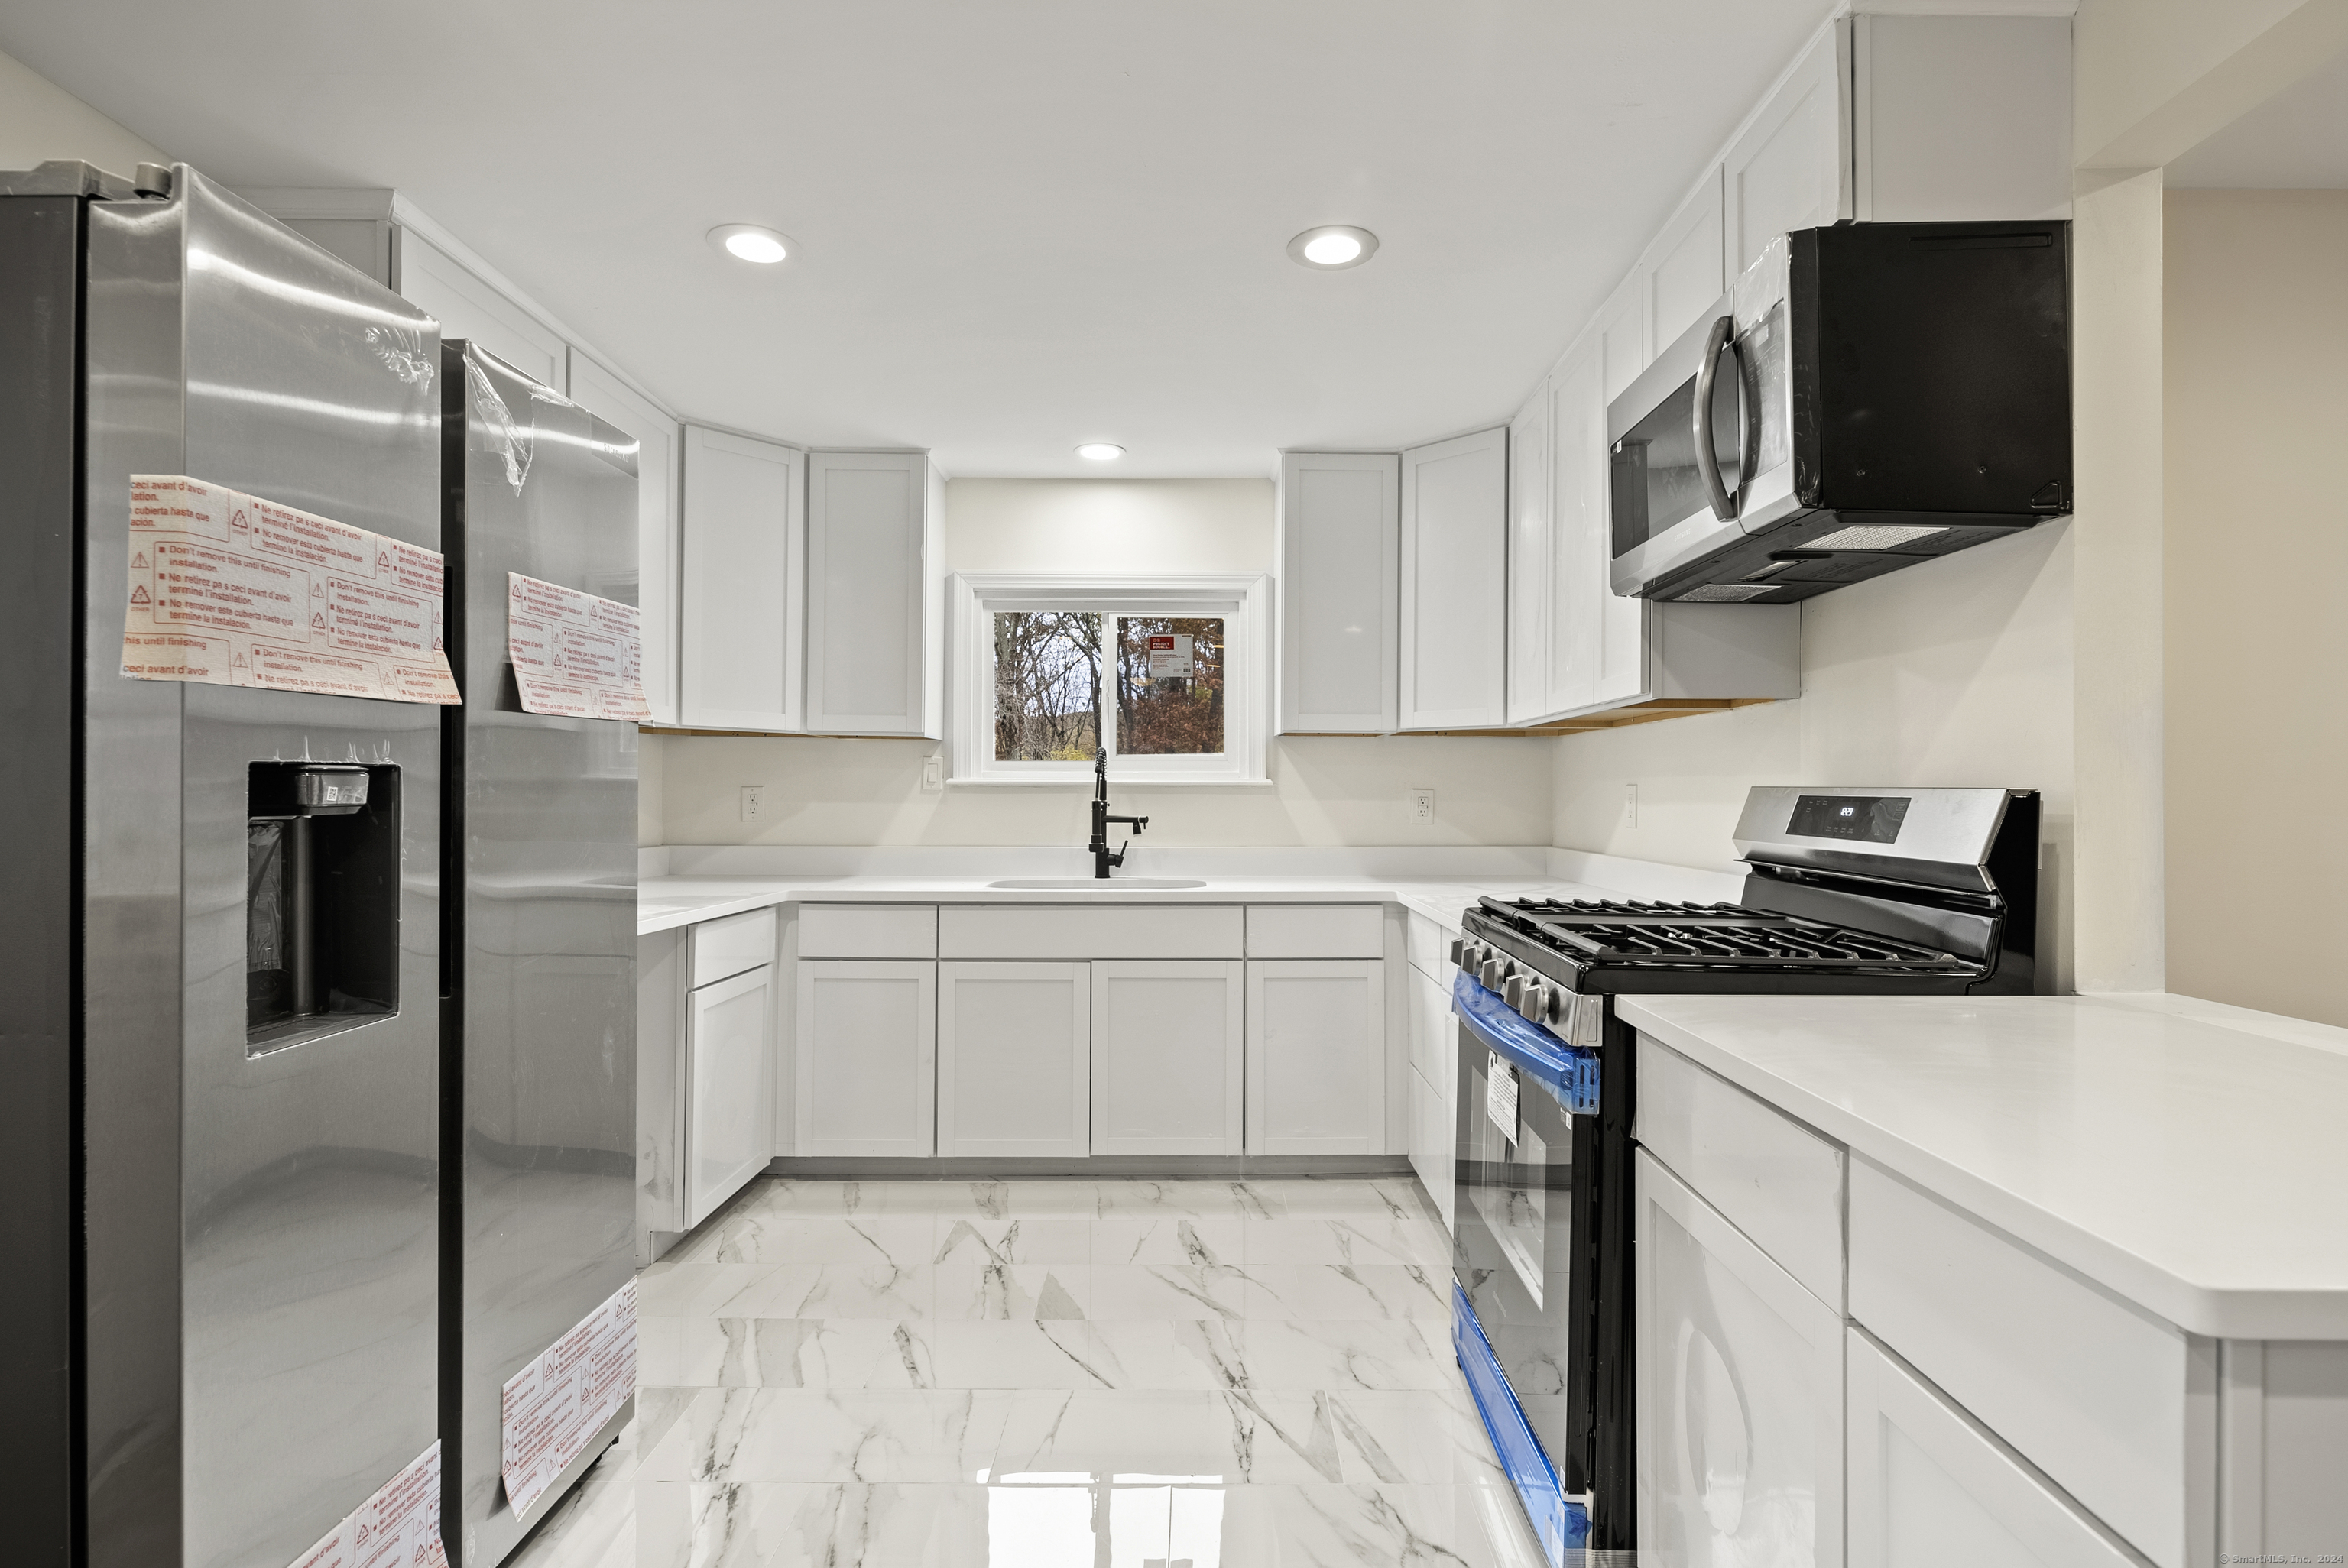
{"x": 1168, "y": 1056}
{"x": 875, "y": 594}
{"x": 744, "y": 577}
{"x": 1014, "y": 1058}
{"x": 866, "y": 1054}
{"x": 1455, "y": 570}
{"x": 1317, "y": 1057}
{"x": 1339, "y": 550}
{"x": 612, "y": 400}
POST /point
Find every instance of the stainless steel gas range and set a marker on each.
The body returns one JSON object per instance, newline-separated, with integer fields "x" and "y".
{"x": 1908, "y": 891}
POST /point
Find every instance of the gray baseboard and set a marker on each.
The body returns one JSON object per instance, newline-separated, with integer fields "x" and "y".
{"x": 1242, "y": 1166}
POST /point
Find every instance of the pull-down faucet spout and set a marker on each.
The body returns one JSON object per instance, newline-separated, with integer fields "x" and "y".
{"x": 1103, "y": 856}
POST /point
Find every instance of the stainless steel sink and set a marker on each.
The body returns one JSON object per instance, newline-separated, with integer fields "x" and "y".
{"x": 1074, "y": 883}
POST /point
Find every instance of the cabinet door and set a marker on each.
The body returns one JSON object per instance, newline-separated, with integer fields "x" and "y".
{"x": 1316, "y": 1078}
{"x": 1455, "y": 608}
{"x": 1929, "y": 1489}
{"x": 471, "y": 308}
{"x": 866, "y": 1045}
{"x": 1791, "y": 168}
{"x": 744, "y": 578}
{"x": 1340, "y": 598}
{"x": 1739, "y": 1394}
{"x": 1683, "y": 267}
{"x": 869, "y": 557}
{"x": 1579, "y": 530}
{"x": 1530, "y": 558}
{"x": 729, "y": 1134}
{"x": 1433, "y": 1079}
{"x": 1168, "y": 1055}
{"x": 615, "y": 402}
{"x": 1014, "y": 1058}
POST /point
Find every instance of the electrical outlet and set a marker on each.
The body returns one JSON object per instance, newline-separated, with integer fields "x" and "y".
{"x": 1629, "y": 805}
{"x": 754, "y": 803}
{"x": 934, "y": 773}
{"x": 1422, "y": 808}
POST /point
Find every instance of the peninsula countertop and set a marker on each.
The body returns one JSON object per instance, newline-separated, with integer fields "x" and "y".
{"x": 2187, "y": 1155}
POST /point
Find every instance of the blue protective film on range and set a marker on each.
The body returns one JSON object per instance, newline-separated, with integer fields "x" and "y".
{"x": 1568, "y": 1073}
{"x": 1562, "y": 1524}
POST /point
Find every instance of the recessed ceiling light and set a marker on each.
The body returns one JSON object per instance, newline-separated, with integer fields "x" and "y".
{"x": 750, "y": 242}
{"x": 1100, "y": 451}
{"x": 1333, "y": 246}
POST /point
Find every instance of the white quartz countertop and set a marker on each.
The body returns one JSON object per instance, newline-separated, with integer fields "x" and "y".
{"x": 2190, "y": 1157}
{"x": 664, "y": 903}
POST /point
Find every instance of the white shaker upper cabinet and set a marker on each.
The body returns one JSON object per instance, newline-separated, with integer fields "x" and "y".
{"x": 875, "y": 597}
{"x": 616, "y": 404}
{"x": 1531, "y": 628}
{"x": 1683, "y": 267}
{"x": 1791, "y": 168}
{"x": 1455, "y": 610}
{"x": 744, "y": 571}
{"x": 1340, "y": 556}
{"x": 1959, "y": 117}
{"x": 469, "y": 308}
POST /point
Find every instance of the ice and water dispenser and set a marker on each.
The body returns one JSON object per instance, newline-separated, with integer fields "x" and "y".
{"x": 322, "y": 900}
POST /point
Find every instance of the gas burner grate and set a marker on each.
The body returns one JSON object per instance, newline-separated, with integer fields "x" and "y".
{"x": 1710, "y": 935}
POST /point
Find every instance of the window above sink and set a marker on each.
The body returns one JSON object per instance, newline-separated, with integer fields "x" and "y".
{"x": 1170, "y": 673}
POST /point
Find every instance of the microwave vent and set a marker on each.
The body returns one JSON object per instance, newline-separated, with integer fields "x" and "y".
{"x": 1725, "y": 592}
{"x": 1872, "y": 537}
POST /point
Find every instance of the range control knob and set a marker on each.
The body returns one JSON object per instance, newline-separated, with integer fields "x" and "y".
{"x": 1493, "y": 973}
{"x": 1459, "y": 946}
{"x": 1513, "y": 992}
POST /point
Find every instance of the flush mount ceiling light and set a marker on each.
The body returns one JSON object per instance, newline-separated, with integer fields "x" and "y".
{"x": 750, "y": 242}
{"x": 1333, "y": 246}
{"x": 1100, "y": 451}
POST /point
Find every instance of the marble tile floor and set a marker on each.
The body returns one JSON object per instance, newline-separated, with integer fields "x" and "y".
{"x": 1049, "y": 1374}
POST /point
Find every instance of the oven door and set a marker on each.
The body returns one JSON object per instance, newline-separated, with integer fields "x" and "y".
{"x": 1518, "y": 1245}
{"x": 1700, "y": 448}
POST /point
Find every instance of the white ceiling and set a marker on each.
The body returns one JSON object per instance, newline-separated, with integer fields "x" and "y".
{"x": 2296, "y": 141}
{"x": 1026, "y": 224}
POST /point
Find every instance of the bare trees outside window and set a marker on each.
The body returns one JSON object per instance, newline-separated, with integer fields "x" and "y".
{"x": 1047, "y": 681}
{"x": 1170, "y": 685}
{"x": 1049, "y": 685}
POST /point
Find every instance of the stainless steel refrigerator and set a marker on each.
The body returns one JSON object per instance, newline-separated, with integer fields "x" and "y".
{"x": 538, "y": 1045}
{"x": 220, "y": 930}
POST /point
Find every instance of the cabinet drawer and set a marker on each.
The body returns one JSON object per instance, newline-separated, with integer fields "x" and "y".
{"x": 727, "y": 947}
{"x": 1427, "y": 944}
{"x": 1926, "y": 1485}
{"x": 2112, "y": 1404}
{"x": 1316, "y": 931}
{"x": 868, "y": 931}
{"x": 1088, "y": 932}
{"x": 1776, "y": 1180}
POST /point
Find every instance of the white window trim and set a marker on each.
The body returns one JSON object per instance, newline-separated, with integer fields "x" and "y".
{"x": 1243, "y": 600}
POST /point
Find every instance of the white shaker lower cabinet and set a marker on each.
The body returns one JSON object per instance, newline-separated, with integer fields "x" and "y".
{"x": 1929, "y": 1488}
{"x": 867, "y": 1058}
{"x": 1739, "y": 1394}
{"x": 1434, "y": 1088}
{"x": 1317, "y": 1057}
{"x": 729, "y": 1134}
{"x": 1014, "y": 1058}
{"x": 1167, "y": 1056}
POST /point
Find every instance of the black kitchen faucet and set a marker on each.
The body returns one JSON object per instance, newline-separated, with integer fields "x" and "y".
{"x": 1103, "y": 857}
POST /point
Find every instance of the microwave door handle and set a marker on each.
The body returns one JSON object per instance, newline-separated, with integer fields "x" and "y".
{"x": 1708, "y": 461}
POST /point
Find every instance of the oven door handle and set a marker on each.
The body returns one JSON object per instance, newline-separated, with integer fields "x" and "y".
{"x": 1721, "y": 340}
{"x": 1569, "y": 1072}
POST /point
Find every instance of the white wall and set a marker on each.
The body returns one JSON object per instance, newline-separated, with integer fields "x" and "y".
{"x": 1325, "y": 790}
{"x": 40, "y": 121}
{"x": 1958, "y": 671}
{"x": 2257, "y": 542}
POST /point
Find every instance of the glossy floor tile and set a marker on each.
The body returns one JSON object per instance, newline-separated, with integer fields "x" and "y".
{"x": 1049, "y": 1374}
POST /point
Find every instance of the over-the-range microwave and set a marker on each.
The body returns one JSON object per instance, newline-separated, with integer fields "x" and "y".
{"x": 1868, "y": 397}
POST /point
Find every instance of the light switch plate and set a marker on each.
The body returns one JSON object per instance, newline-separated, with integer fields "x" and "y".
{"x": 934, "y": 773}
{"x": 1629, "y": 805}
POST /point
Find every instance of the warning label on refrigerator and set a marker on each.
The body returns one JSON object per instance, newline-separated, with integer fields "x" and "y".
{"x": 398, "y": 1527}
{"x": 230, "y": 589}
{"x": 559, "y": 1401}
{"x": 574, "y": 653}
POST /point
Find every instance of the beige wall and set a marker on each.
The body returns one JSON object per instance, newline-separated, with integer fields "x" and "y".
{"x": 1325, "y": 790}
{"x": 1955, "y": 672}
{"x": 40, "y": 121}
{"x": 2256, "y": 332}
